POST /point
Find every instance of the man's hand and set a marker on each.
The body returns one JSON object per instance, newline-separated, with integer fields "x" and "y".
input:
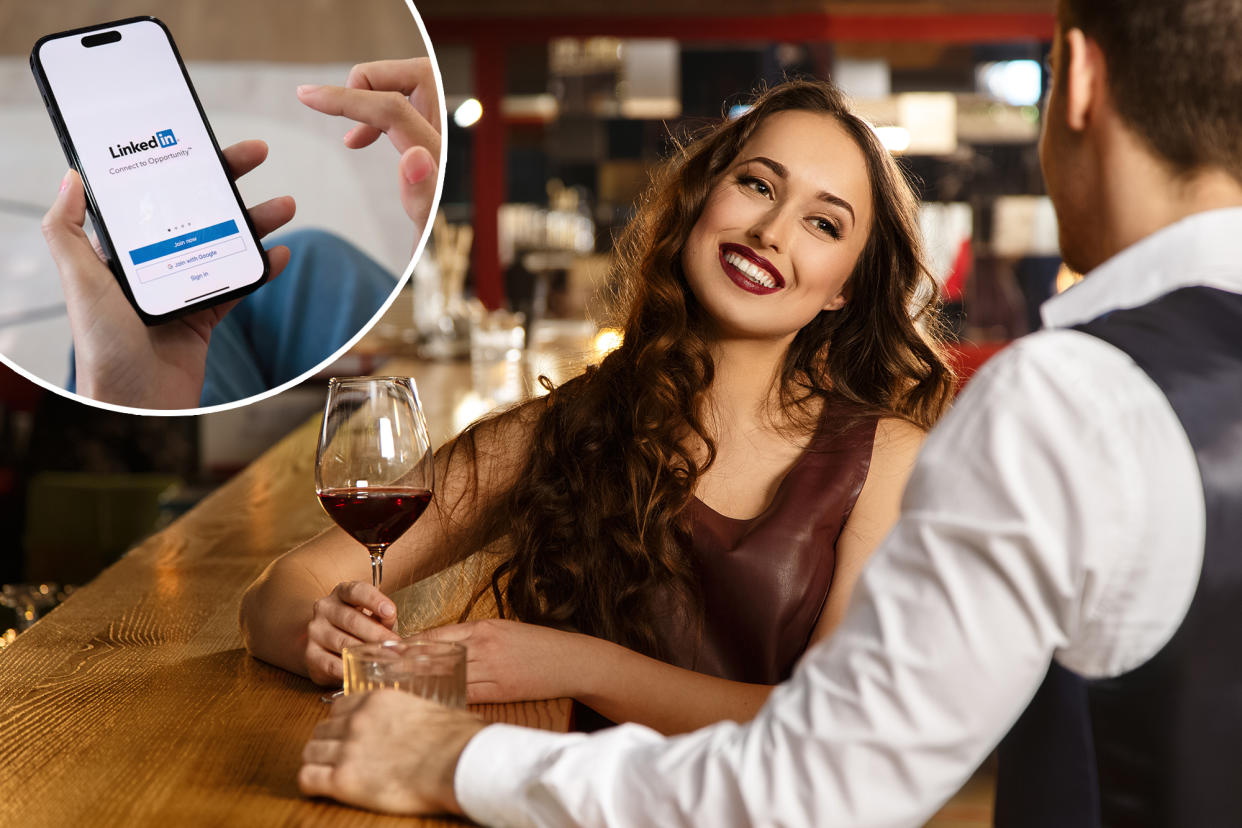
{"x": 397, "y": 98}
{"x": 118, "y": 358}
{"x": 388, "y": 751}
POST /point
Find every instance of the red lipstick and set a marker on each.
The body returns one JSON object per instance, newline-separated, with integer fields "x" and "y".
{"x": 749, "y": 270}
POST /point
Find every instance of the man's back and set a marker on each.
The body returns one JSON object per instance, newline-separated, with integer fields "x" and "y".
{"x": 1154, "y": 745}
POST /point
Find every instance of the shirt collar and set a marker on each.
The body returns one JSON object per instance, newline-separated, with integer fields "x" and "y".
{"x": 1204, "y": 249}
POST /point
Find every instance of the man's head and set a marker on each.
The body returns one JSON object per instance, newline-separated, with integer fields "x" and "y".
{"x": 1174, "y": 73}
{"x": 1164, "y": 72}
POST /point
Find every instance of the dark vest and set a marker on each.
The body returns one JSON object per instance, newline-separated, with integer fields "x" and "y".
{"x": 1160, "y": 745}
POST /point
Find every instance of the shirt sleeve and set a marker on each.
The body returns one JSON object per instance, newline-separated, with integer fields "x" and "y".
{"x": 1015, "y": 505}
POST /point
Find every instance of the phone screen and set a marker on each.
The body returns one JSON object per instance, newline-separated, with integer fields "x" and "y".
{"x": 176, "y": 226}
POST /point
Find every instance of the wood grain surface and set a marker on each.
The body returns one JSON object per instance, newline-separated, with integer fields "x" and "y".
{"x": 134, "y": 703}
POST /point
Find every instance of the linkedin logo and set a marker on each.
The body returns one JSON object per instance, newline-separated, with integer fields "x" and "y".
{"x": 163, "y": 138}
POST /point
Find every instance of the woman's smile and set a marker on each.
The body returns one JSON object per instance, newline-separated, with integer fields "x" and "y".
{"x": 749, "y": 270}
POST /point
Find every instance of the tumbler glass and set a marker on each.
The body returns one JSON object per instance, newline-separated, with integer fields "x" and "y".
{"x": 435, "y": 670}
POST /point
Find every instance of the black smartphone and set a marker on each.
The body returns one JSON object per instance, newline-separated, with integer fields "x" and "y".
{"x": 169, "y": 218}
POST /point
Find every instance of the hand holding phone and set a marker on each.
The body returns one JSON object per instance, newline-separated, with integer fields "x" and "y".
{"x": 397, "y": 98}
{"x": 169, "y": 218}
{"x": 119, "y": 359}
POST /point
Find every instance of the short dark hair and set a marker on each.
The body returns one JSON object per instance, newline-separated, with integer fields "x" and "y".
{"x": 1175, "y": 73}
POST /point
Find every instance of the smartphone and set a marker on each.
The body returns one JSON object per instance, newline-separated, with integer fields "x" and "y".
{"x": 168, "y": 216}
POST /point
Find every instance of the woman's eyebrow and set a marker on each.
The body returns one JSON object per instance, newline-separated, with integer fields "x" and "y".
{"x": 782, "y": 172}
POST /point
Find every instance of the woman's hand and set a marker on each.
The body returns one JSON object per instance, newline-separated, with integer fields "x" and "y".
{"x": 118, "y": 358}
{"x": 397, "y": 98}
{"x": 353, "y": 613}
{"x": 510, "y": 661}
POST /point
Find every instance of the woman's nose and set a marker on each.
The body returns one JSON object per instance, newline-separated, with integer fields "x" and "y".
{"x": 769, "y": 230}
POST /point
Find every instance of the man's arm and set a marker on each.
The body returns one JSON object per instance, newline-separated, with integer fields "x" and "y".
{"x": 1025, "y": 504}
{"x": 951, "y": 629}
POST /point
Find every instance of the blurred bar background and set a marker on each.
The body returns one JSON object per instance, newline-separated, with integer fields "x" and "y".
{"x": 558, "y": 113}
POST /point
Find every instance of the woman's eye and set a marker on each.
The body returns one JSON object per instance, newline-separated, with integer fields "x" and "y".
{"x": 825, "y": 226}
{"x": 755, "y": 184}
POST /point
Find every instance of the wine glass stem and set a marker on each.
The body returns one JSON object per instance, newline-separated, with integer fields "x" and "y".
{"x": 377, "y": 565}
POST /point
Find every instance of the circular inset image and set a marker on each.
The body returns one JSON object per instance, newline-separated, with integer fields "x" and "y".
{"x": 214, "y": 239}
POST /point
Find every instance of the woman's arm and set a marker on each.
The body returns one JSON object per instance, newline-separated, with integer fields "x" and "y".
{"x": 310, "y": 602}
{"x": 896, "y": 446}
{"x": 628, "y": 687}
{"x": 511, "y": 661}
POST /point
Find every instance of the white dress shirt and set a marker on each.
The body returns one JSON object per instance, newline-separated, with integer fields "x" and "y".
{"x": 1055, "y": 512}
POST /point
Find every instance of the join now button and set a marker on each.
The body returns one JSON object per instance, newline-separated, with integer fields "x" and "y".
{"x": 186, "y": 240}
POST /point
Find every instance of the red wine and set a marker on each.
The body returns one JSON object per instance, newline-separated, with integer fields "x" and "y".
{"x": 375, "y": 516}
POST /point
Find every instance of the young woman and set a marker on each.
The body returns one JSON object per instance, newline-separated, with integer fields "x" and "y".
{"x": 678, "y": 524}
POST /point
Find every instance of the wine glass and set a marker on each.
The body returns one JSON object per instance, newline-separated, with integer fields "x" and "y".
{"x": 374, "y": 468}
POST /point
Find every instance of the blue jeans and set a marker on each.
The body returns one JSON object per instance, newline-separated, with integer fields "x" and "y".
{"x": 325, "y": 296}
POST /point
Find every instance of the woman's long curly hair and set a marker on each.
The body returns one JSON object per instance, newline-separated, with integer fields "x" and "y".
{"x": 595, "y": 519}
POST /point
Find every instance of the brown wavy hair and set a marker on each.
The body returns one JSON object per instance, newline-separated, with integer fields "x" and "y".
{"x": 595, "y": 519}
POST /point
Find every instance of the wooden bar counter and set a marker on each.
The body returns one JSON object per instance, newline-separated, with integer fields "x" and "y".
{"x": 134, "y": 702}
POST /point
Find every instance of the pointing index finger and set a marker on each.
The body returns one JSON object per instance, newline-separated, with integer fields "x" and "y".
{"x": 389, "y": 112}
{"x": 399, "y": 75}
{"x": 413, "y": 78}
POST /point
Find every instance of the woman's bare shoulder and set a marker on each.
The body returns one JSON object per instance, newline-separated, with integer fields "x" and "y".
{"x": 899, "y": 433}
{"x": 897, "y": 444}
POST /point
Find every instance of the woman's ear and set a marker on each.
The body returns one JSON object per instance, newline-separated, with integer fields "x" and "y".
{"x": 837, "y": 302}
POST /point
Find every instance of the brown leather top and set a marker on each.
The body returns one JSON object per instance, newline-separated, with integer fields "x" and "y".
{"x": 764, "y": 581}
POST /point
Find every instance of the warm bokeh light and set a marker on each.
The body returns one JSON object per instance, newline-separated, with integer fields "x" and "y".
{"x": 607, "y": 341}
{"x": 1067, "y": 278}
{"x": 471, "y": 407}
{"x": 894, "y": 139}
{"x": 469, "y": 113}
